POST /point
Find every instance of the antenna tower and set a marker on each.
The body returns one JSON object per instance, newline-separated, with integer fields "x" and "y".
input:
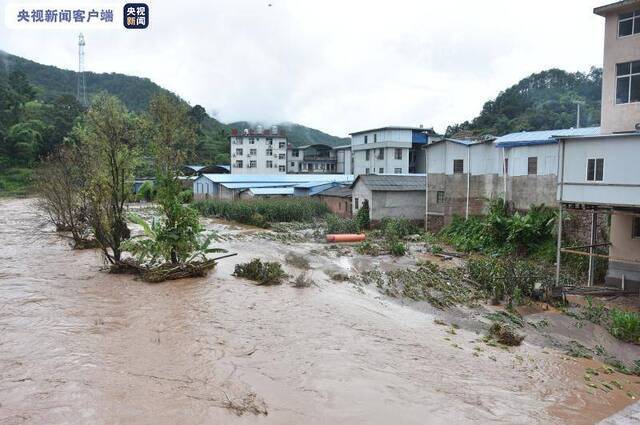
{"x": 82, "y": 89}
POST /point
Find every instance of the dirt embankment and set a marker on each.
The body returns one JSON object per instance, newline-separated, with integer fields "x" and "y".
{"x": 81, "y": 346}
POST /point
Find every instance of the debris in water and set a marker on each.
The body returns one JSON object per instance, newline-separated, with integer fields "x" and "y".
{"x": 504, "y": 334}
{"x": 267, "y": 273}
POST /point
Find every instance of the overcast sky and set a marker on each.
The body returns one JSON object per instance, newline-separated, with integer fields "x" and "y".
{"x": 336, "y": 65}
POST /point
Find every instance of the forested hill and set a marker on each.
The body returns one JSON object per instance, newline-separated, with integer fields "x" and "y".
{"x": 135, "y": 93}
{"x": 52, "y": 82}
{"x": 298, "y": 135}
{"x": 542, "y": 101}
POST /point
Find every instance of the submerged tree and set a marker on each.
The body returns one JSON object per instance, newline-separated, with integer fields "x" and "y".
{"x": 176, "y": 238}
{"x": 61, "y": 183}
{"x": 109, "y": 133}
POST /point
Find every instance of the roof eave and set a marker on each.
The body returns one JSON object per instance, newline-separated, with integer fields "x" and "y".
{"x": 614, "y": 7}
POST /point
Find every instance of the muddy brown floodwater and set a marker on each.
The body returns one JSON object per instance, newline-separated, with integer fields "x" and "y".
{"x": 79, "y": 346}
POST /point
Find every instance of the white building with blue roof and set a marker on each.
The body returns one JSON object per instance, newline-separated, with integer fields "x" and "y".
{"x": 230, "y": 186}
{"x": 529, "y": 164}
{"x": 520, "y": 167}
{"x": 389, "y": 150}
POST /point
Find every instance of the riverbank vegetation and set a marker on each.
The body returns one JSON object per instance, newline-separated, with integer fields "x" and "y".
{"x": 263, "y": 212}
{"x": 85, "y": 187}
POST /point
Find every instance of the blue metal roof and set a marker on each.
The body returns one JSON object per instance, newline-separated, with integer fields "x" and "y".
{"x": 276, "y": 178}
{"x": 252, "y": 184}
{"x": 419, "y": 138}
{"x": 272, "y": 191}
{"x": 308, "y": 185}
{"x": 545, "y": 137}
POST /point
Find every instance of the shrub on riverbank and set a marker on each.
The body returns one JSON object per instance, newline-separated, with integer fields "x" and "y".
{"x": 501, "y": 232}
{"x": 509, "y": 278}
{"x": 15, "y": 181}
{"x": 269, "y": 210}
{"x": 625, "y": 325}
{"x": 337, "y": 224}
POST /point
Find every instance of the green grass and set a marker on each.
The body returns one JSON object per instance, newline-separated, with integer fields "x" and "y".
{"x": 15, "y": 182}
{"x": 625, "y": 325}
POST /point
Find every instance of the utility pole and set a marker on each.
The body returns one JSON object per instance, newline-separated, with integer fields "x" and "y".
{"x": 81, "y": 95}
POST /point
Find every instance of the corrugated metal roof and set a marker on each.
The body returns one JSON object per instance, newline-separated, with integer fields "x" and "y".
{"x": 339, "y": 192}
{"x": 392, "y": 182}
{"x": 394, "y": 127}
{"x": 271, "y": 191}
{"x": 528, "y": 138}
{"x": 309, "y": 185}
{"x": 252, "y": 184}
{"x": 277, "y": 178}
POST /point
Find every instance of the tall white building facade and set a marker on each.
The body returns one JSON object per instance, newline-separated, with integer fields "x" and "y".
{"x": 389, "y": 150}
{"x": 258, "y": 151}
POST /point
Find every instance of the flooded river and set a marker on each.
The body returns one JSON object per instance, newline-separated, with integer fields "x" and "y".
{"x": 79, "y": 346}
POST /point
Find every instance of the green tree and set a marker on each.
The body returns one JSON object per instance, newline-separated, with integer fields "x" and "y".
{"x": 23, "y": 140}
{"x": 174, "y": 137}
{"x": 108, "y": 132}
{"x": 362, "y": 216}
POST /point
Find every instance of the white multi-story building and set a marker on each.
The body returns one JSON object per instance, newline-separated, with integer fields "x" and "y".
{"x": 389, "y": 150}
{"x": 599, "y": 172}
{"x": 258, "y": 151}
{"x": 311, "y": 159}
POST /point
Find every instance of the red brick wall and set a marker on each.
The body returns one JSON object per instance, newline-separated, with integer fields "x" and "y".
{"x": 339, "y": 206}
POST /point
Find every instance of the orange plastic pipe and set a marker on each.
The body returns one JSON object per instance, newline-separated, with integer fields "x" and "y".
{"x": 349, "y": 237}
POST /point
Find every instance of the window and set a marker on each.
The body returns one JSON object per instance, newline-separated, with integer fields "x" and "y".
{"x": 365, "y": 142}
{"x": 628, "y": 23}
{"x": 269, "y": 164}
{"x": 380, "y": 170}
{"x": 440, "y": 197}
{"x": 458, "y": 166}
{"x": 253, "y": 164}
{"x": 270, "y": 141}
{"x": 366, "y": 171}
{"x": 628, "y": 82}
{"x": 595, "y": 169}
{"x": 269, "y": 152}
{"x": 252, "y": 141}
{"x": 397, "y": 170}
{"x": 366, "y": 155}
{"x": 397, "y": 153}
{"x": 281, "y": 156}
{"x": 238, "y": 151}
{"x": 238, "y": 164}
{"x": 293, "y": 164}
{"x": 295, "y": 153}
{"x": 375, "y": 137}
{"x": 635, "y": 228}
{"x": 357, "y": 203}
{"x": 380, "y": 154}
{"x": 281, "y": 145}
{"x": 281, "y": 168}
{"x": 253, "y": 151}
{"x": 532, "y": 165}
